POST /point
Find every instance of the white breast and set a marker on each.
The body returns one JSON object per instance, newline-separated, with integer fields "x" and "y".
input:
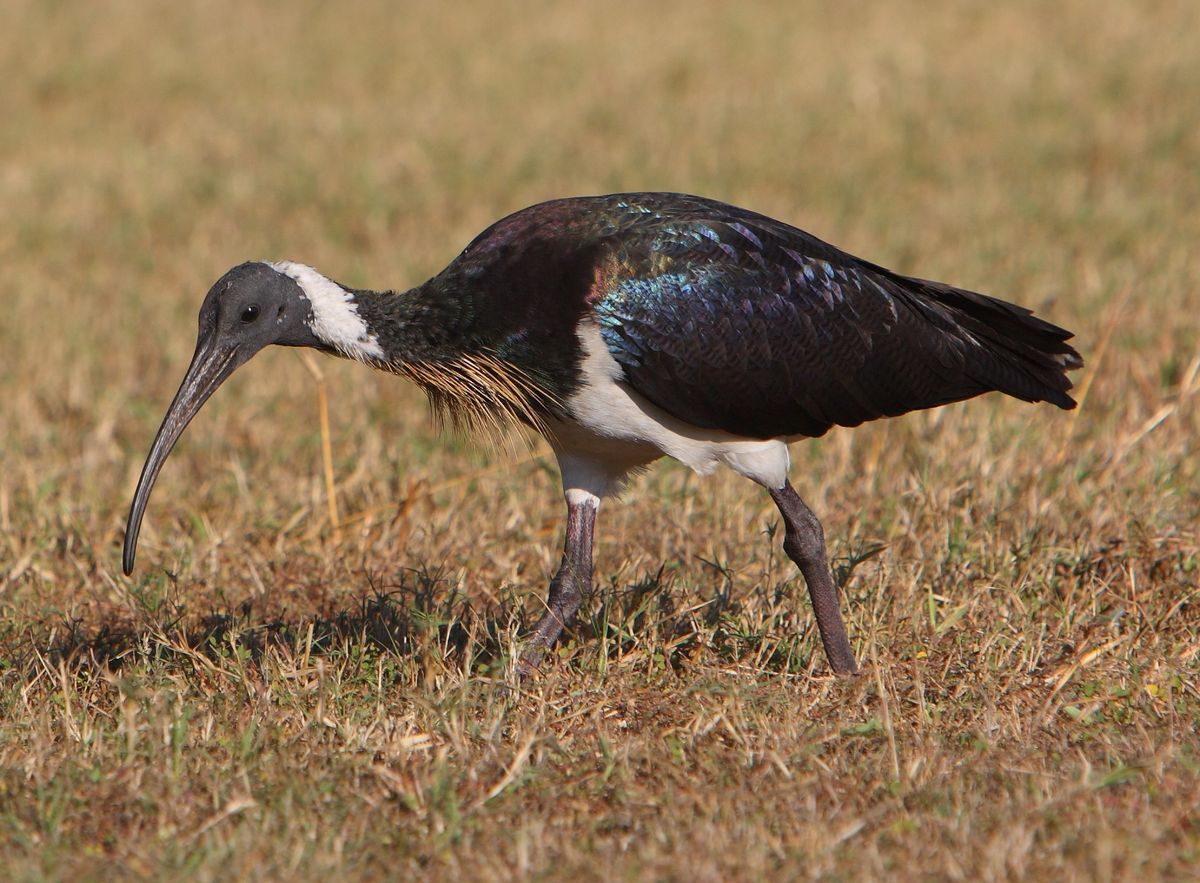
{"x": 616, "y": 430}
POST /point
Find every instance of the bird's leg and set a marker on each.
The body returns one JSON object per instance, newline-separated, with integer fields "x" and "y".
{"x": 573, "y": 579}
{"x": 804, "y": 543}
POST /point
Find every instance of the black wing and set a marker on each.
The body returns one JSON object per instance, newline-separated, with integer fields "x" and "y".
{"x": 730, "y": 320}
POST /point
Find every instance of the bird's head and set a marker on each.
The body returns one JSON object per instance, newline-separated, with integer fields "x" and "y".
{"x": 251, "y": 306}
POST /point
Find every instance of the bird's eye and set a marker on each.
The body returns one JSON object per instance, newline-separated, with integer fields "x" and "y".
{"x": 250, "y": 313}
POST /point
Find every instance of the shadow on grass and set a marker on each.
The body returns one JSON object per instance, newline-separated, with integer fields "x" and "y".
{"x": 401, "y": 620}
{"x": 425, "y": 612}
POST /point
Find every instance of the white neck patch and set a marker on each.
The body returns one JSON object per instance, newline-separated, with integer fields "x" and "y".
{"x": 335, "y": 316}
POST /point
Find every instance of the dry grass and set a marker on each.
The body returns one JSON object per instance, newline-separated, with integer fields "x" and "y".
{"x": 265, "y": 699}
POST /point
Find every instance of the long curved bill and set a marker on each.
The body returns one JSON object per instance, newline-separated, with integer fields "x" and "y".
{"x": 211, "y": 364}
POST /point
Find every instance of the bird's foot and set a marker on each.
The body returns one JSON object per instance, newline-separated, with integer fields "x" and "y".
{"x": 846, "y": 672}
{"x": 529, "y": 663}
{"x": 837, "y": 647}
{"x": 544, "y": 635}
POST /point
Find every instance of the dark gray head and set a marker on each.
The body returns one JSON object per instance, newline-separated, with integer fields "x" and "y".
{"x": 251, "y": 306}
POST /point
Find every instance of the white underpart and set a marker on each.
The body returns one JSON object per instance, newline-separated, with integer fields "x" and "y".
{"x": 335, "y": 316}
{"x": 616, "y": 430}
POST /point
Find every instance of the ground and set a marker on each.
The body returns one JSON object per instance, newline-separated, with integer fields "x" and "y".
{"x": 270, "y": 697}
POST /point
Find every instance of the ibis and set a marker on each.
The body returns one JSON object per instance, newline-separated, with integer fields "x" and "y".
{"x": 633, "y": 326}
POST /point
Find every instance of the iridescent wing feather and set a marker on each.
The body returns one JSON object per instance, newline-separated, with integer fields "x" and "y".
{"x": 733, "y": 321}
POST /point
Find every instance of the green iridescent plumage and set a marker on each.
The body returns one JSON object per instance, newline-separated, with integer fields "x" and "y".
{"x": 724, "y": 318}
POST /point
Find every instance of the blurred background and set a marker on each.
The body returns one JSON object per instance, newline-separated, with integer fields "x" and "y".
{"x": 1043, "y": 153}
{"x": 1046, "y": 153}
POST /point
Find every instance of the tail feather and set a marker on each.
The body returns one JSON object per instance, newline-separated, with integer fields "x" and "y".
{"x": 1017, "y": 353}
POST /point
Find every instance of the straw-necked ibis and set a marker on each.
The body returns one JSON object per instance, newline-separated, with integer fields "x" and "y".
{"x": 632, "y": 326}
